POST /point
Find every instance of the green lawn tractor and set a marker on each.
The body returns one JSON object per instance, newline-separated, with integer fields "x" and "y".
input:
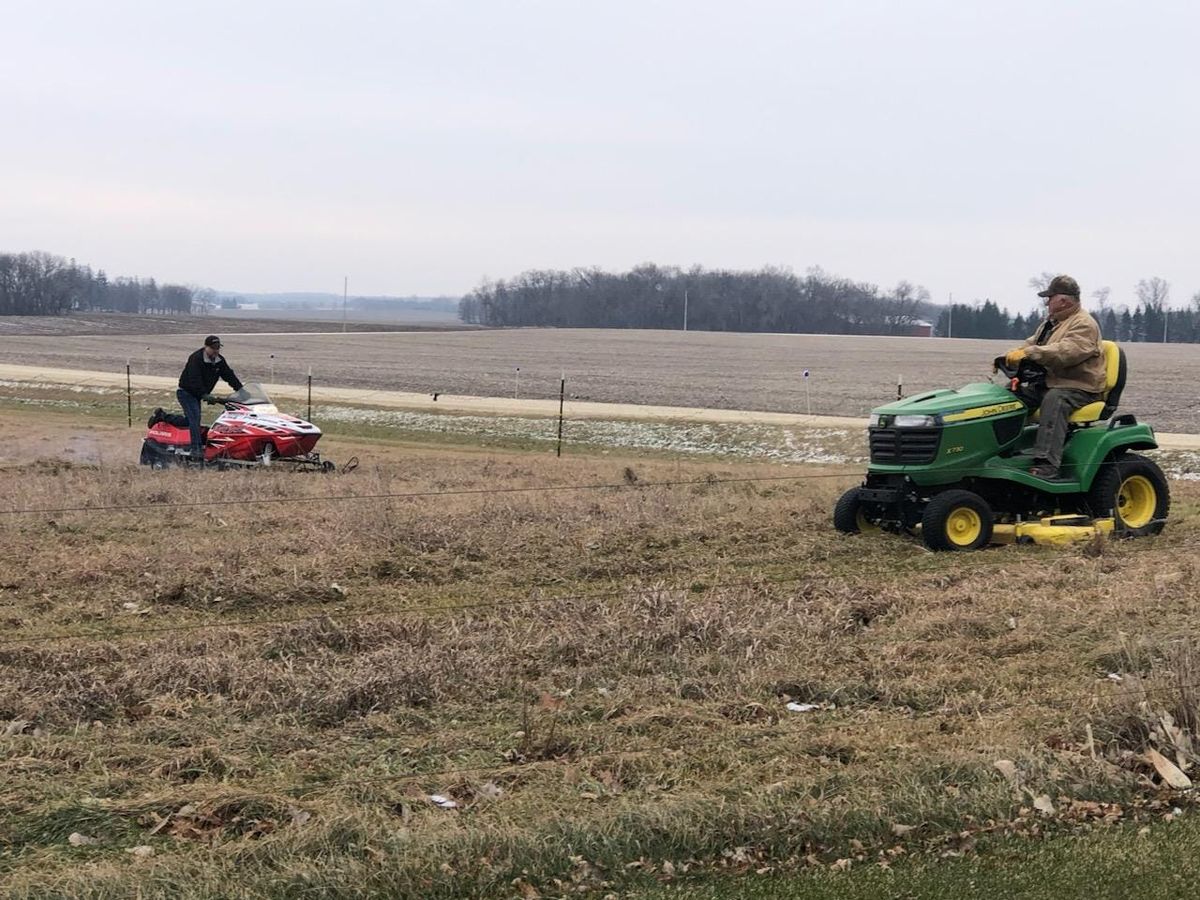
{"x": 953, "y": 466}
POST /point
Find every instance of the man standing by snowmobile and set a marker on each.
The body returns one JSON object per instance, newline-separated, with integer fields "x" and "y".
{"x": 200, "y": 375}
{"x": 1067, "y": 346}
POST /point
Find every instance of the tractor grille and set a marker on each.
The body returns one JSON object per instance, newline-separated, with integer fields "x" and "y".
{"x": 904, "y": 446}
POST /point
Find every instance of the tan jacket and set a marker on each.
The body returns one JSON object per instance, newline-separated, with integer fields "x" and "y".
{"x": 1071, "y": 355}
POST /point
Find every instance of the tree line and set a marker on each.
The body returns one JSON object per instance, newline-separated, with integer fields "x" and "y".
{"x": 779, "y": 300}
{"x": 1148, "y": 318}
{"x": 651, "y": 296}
{"x": 41, "y": 284}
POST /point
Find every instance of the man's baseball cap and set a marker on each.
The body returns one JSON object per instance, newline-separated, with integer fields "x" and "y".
{"x": 213, "y": 341}
{"x": 1061, "y": 284}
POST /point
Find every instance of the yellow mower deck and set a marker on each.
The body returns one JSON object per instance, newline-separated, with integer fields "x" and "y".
{"x": 1054, "y": 531}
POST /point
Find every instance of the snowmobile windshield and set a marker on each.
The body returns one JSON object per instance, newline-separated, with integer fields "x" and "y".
{"x": 250, "y": 395}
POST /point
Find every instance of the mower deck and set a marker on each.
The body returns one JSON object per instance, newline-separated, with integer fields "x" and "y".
{"x": 1053, "y": 531}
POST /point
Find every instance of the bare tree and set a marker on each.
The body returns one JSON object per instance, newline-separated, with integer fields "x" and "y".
{"x": 902, "y": 306}
{"x": 203, "y": 299}
{"x": 1100, "y": 295}
{"x": 1153, "y": 293}
{"x": 1041, "y": 281}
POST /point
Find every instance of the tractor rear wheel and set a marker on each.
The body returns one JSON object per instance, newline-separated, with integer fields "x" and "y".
{"x": 956, "y": 520}
{"x": 849, "y": 516}
{"x": 1134, "y": 490}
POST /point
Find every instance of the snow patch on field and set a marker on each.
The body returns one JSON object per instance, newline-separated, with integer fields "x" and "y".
{"x": 49, "y": 386}
{"x": 46, "y": 402}
{"x": 817, "y": 445}
{"x": 1183, "y": 465}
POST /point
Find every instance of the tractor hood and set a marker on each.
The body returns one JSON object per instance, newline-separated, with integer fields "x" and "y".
{"x": 973, "y": 401}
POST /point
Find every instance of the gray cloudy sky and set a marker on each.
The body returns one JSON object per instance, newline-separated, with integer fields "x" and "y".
{"x": 420, "y": 146}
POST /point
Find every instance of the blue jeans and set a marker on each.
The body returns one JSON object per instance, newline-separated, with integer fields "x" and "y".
{"x": 191, "y": 409}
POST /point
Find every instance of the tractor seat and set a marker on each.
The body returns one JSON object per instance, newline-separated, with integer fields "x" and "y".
{"x": 1114, "y": 384}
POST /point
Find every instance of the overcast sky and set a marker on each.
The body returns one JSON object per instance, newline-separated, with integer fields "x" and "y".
{"x": 418, "y": 147}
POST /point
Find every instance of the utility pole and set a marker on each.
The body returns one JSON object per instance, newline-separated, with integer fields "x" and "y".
{"x": 345, "y": 285}
{"x": 950, "y": 318}
{"x": 685, "y": 309}
{"x": 1166, "y": 316}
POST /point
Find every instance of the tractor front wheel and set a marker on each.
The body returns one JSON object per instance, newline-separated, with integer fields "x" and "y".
{"x": 956, "y": 520}
{"x": 849, "y": 516}
{"x": 1134, "y": 490}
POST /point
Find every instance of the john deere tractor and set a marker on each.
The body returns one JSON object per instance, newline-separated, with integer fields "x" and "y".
{"x": 949, "y": 465}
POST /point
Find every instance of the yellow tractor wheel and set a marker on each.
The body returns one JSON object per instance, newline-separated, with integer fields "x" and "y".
{"x": 956, "y": 520}
{"x": 849, "y": 516}
{"x": 1134, "y": 490}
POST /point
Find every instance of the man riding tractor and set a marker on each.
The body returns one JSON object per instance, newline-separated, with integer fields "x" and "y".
{"x": 957, "y": 465}
{"x": 1067, "y": 346}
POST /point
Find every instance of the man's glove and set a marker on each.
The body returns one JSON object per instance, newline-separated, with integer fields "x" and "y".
{"x": 209, "y": 398}
{"x": 1013, "y": 357}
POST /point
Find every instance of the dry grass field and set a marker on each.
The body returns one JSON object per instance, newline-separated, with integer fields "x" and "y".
{"x": 256, "y": 683}
{"x": 849, "y": 375}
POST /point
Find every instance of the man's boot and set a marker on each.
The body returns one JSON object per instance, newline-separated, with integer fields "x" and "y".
{"x": 1043, "y": 470}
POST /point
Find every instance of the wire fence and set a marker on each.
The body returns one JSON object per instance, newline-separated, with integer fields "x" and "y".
{"x": 538, "y": 385}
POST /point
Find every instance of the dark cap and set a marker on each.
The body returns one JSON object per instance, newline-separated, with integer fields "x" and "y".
{"x": 1061, "y": 284}
{"x": 213, "y": 341}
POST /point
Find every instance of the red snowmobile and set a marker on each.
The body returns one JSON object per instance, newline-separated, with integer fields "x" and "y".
{"x": 250, "y": 432}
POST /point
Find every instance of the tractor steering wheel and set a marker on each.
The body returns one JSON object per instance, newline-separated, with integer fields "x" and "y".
{"x": 1025, "y": 372}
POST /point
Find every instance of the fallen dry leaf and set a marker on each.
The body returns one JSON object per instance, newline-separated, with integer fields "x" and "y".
{"x": 81, "y": 840}
{"x": 299, "y": 816}
{"x": 1170, "y": 773}
{"x": 159, "y": 824}
{"x": 489, "y": 790}
{"x": 1043, "y": 804}
{"x": 1008, "y": 769}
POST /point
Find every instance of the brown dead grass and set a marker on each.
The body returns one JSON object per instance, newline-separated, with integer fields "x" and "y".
{"x": 602, "y": 670}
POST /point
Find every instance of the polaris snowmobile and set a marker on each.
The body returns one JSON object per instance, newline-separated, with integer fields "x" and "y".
{"x": 251, "y": 432}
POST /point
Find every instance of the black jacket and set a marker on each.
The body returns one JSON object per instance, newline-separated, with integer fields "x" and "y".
{"x": 199, "y": 377}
